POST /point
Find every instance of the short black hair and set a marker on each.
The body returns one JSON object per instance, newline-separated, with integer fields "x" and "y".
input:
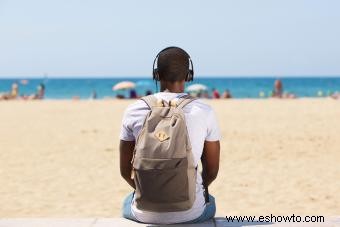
{"x": 173, "y": 64}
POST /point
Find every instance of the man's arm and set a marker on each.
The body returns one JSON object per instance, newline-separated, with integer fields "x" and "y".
{"x": 210, "y": 161}
{"x": 126, "y": 149}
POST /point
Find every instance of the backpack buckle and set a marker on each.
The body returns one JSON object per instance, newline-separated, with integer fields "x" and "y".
{"x": 173, "y": 103}
{"x": 161, "y": 136}
{"x": 160, "y": 103}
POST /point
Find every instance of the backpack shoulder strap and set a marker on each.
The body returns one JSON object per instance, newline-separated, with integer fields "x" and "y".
{"x": 150, "y": 100}
{"x": 185, "y": 100}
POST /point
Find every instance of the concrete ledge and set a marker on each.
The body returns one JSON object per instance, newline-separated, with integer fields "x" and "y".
{"x": 121, "y": 222}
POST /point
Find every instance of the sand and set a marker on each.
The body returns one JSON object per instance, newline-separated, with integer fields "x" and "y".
{"x": 60, "y": 158}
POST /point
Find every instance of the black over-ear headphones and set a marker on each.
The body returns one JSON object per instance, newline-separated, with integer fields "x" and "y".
{"x": 190, "y": 75}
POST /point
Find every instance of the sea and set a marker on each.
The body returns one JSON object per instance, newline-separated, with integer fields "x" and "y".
{"x": 239, "y": 87}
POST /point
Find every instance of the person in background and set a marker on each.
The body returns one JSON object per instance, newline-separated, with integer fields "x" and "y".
{"x": 120, "y": 96}
{"x": 13, "y": 94}
{"x": 3, "y": 96}
{"x": 226, "y": 94}
{"x": 215, "y": 94}
{"x": 335, "y": 95}
{"x": 15, "y": 91}
{"x": 148, "y": 92}
{"x": 205, "y": 95}
{"x": 278, "y": 89}
{"x": 39, "y": 95}
{"x": 41, "y": 91}
{"x": 93, "y": 95}
{"x": 133, "y": 94}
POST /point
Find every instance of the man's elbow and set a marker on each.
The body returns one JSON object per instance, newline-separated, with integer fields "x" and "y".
{"x": 212, "y": 173}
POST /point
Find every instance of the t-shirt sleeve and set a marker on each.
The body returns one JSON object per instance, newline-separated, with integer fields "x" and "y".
{"x": 126, "y": 132}
{"x": 213, "y": 133}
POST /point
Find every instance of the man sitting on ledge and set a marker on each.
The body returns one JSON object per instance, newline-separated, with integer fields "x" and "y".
{"x": 163, "y": 138}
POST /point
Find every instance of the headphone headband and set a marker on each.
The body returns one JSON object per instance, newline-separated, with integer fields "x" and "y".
{"x": 190, "y": 75}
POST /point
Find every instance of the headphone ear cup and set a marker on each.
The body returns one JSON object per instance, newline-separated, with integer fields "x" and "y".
{"x": 190, "y": 75}
{"x": 155, "y": 74}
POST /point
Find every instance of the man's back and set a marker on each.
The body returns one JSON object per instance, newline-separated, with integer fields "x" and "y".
{"x": 201, "y": 126}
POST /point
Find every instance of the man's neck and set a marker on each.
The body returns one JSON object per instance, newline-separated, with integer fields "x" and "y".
{"x": 174, "y": 87}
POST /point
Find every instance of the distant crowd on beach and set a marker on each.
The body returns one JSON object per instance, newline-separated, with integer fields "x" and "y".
{"x": 277, "y": 92}
{"x": 203, "y": 94}
{"x": 14, "y": 94}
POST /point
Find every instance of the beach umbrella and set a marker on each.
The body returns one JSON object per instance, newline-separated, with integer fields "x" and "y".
{"x": 24, "y": 82}
{"x": 197, "y": 88}
{"x": 124, "y": 85}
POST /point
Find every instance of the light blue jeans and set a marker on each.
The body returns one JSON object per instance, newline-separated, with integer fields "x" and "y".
{"x": 208, "y": 213}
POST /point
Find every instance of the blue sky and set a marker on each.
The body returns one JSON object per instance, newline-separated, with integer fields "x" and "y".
{"x": 105, "y": 38}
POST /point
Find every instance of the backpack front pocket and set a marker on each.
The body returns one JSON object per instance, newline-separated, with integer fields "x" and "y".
{"x": 161, "y": 180}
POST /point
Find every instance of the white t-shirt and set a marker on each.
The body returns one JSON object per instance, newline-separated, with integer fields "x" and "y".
{"x": 201, "y": 125}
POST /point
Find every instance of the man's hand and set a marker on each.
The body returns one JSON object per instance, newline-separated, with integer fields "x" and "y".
{"x": 210, "y": 161}
{"x": 126, "y": 149}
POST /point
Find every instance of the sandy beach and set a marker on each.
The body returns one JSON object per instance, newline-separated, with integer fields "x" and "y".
{"x": 60, "y": 158}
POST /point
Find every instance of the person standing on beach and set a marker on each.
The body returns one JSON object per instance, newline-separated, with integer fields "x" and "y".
{"x": 278, "y": 89}
{"x": 174, "y": 69}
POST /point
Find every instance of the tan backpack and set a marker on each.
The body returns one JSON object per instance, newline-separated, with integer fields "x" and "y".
{"x": 163, "y": 165}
